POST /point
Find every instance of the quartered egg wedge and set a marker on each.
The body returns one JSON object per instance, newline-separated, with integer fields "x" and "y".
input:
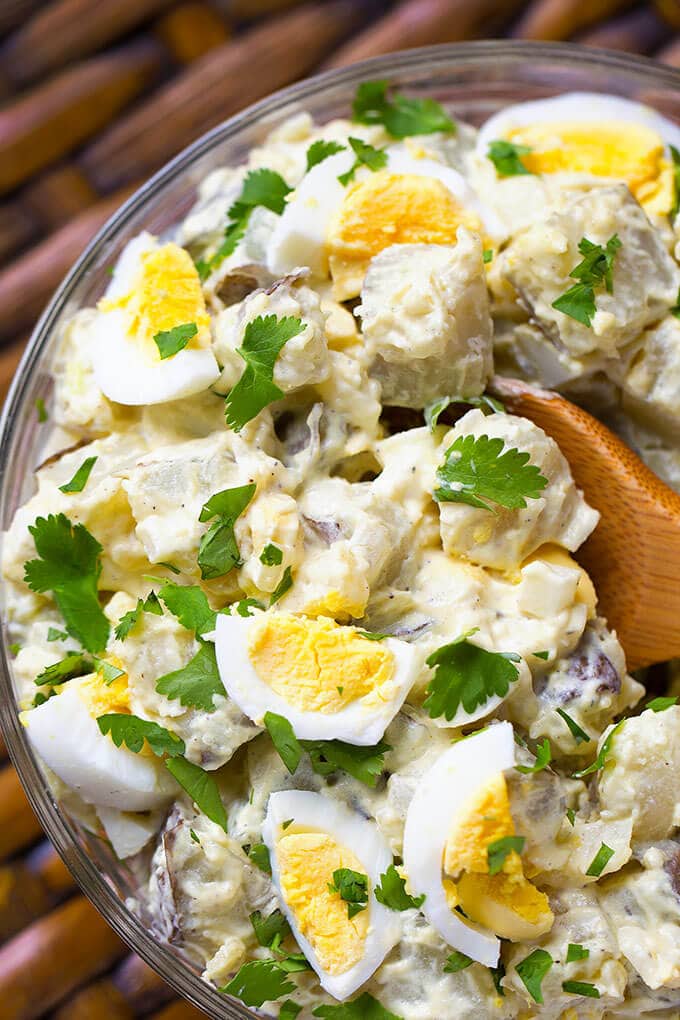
{"x": 328, "y": 680}
{"x": 155, "y": 288}
{"x": 64, "y": 732}
{"x": 595, "y": 134}
{"x": 460, "y": 807}
{"x": 334, "y": 228}
{"x": 309, "y": 837}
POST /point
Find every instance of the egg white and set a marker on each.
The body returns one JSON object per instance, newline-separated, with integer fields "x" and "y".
{"x": 70, "y": 742}
{"x": 314, "y": 811}
{"x": 123, "y": 368}
{"x": 299, "y": 238}
{"x": 442, "y": 791}
{"x": 583, "y": 107}
{"x": 355, "y": 724}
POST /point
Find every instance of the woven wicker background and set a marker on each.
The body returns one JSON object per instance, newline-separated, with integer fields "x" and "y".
{"x": 95, "y": 95}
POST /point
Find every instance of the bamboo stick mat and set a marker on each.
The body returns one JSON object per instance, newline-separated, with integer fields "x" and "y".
{"x": 95, "y": 95}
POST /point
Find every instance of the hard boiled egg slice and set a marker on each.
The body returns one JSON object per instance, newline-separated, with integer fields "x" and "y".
{"x": 64, "y": 732}
{"x": 326, "y": 679}
{"x": 595, "y": 134}
{"x": 155, "y": 288}
{"x": 309, "y": 837}
{"x": 460, "y": 807}
{"x": 328, "y": 224}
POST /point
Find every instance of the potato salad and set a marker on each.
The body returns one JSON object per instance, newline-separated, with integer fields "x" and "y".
{"x": 297, "y": 623}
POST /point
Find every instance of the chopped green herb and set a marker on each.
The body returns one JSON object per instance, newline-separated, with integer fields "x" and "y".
{"x": 675, "y": 208}
{"x": 133, "y": 731}
{"x": 287, "y": 824}
{"x": 197, "y": 683}
{"x": 259, "y": 855}
{"x": 284, "y": 585}
{"x": 41, "y": 698}
{"x": 497, "y": 851}
{"x": 497, "y": 975}
{"x": 579, "y": 735}
{"x": 657, "y": 704}
{"x": 263, "y": 340}
{"x": 366, "y": 155}
{"x": 194, "y": 837}
{"x": 457, "y": 961}
{"x": 401, "y": 117}
{"x": 468, "y": 675}
{"x": 391, "y": 892}
{"x": 201, "y": 786}
{"x": 269, "y": 930}
{"x": 69, "y": 566}
{"x": 289, "y": 1010}
{"x": 259, "y": 981}
{"x": 576, "y": 952}
{"x": 675, "y": 310}
{"x": 130, "y": 619}
{"x": 108, "y": 672}
{"x": 283, "y": 737}
{"x": 218, "y": 550}
{"x": 541, "y": 655}
{"x": 170, "y": 566}
{"x": 261, "y": 187}
{"x": 243, "y": 606}
{"x": 507, "y": 158}
{"x": 41, "y": 409}
{"x": 485, "y": 403}
{"x": 600, "y": 860}
{"x": 172, "y": 341}
{"x": 271, "y": 555}
{"x": 481, "y": 472}
{"x": 571, "y": 816}
{"x": 373, "y": 635}
{"x": 603, "y": 754}
{"x": 581, "y": 988}
{"x": 352, "y": 887}
{"x": 14, "y": 648}
{"x": 365, "y": 764}
{"x": 190, "y": 605}
{"x": 320, "y": 150}
{"x": 543, "y": 759}
{"x": 73, "y": 664}
{"x": 56, "y": 635}
{"x": 596, "y": 268}
{"x": 79, "y": 480}
{"x": 532, "y": 969}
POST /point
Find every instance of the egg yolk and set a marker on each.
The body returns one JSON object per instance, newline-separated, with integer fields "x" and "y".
{"x": 167, "y": 293}
{"x": 101, "y": 698}
{"x": 506, "y": 903}
{"x": 628, "y": 152}
{"x": 339, "y": 605}
{"x": 307, "y": 861}
{"x": 386, "y": 209}
{"x": 317, "y": 665}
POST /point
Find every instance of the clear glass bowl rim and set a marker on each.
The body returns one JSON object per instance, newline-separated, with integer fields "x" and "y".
{"x": 156, "y": 954}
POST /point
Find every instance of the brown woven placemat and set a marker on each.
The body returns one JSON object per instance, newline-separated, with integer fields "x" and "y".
{"x": 95, "y": 95}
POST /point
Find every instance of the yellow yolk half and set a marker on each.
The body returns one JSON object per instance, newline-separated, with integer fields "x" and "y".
{"x": 506, "y": 903}
{"x": 307, "y": 861}
{"x": 627, "y": 152}
{"x": 316, "y": 665}
{"x": 338, "y": 605}
{"x": 559, "y": 557}
{"x": 100, "y": 698}
{"x": 386, "y": 209}
{"x": 167, "y": 293}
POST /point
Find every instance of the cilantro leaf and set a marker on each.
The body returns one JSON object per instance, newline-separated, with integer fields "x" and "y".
{"x": 284, "y": 585}
{"x": 581, "y": 988}
{"x": 41, "y": 410}
{"x": 195, "y": 684}
{"x": 190, "y": 605}
{"x": 468, "y": 675}
{"x": 363, "y": 1008}
{"x": 543, "y": 759}
{"x": 487, "y": 256}
{"x": 195, "y": 837}
{"x": 532, "y": 969}
{"x": 579, "y": 735}
{"x": 352, "y": 887}
{"x": 497, "y": 975}
{"x": 259, "y": 855}
{"x": 497, "y": 851}
{"x": 485, "y": 403}
{"x": 506, "y": 157}
{"x": 130, "y": 619}
{"x": 541, "y": 655}
{"x": 656, "y": 704}
{"x": 457, "y": 961}
{"x": 603, "y": 754}
{"x": 56, "y": 635}
{"x": 133, "y": 731}
{"x": 289, "y": 1010}
{"x": 243, "y": 606}
{"x": 171, "y": 341}
{"x": 364, "y": 764}
{"x": 283, "y": 737}
{"x": 600, "y": 860}
{"x": 675, "y": 310}
{"x": 218, "y": 551}
{"x": 263, "y": 340}
{"x": 73, "y": 664}
{"x": 571, "y": 816}
{"x": 107, "y": 671}
{"x": 596, "y": 268}
{"x": 675, "y": 208}
{"x": 320, "y": 150}
{"x": 480, "y": 472}
{"x": 269, "y": 931}
{"x": 271, "y": 555}
{"x": 261, "y": 187}
{"x": 576, "y": 952}
{"x": 69, "y": 566}
{"x": 391, "y": 892}
{"x": 259, "y": 981}
{"x": 201, "y": 787}
{"x": 79, "y": 480}
{"x": 366, "y": 155}
{"x": 401, "y": 117}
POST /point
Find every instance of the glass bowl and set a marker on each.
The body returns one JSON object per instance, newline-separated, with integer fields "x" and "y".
{"x": 473, "y": 80}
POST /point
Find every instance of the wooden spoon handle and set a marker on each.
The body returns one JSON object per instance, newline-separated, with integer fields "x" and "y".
{"x": 633, "y": 555}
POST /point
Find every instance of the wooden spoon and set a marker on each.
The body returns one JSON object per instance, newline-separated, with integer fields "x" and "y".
{"x": 633, "y": 556}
